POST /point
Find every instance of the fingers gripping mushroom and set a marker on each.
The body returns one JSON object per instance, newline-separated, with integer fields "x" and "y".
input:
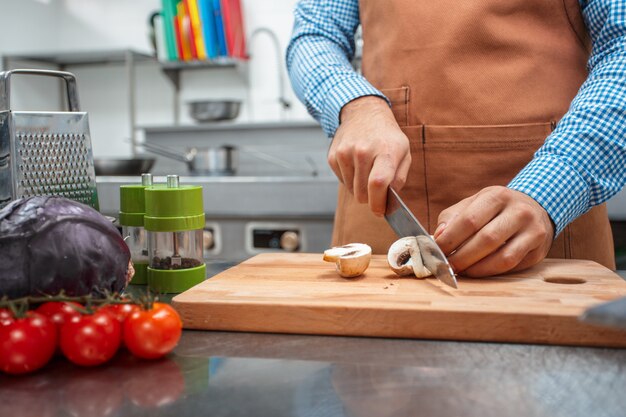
{"x": 404, "y": 258}
{"x": 351, "y": 260}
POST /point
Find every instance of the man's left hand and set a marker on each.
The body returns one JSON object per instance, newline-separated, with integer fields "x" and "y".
{"x": 496, "y": 230}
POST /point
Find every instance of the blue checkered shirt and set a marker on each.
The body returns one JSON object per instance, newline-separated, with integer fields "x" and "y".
{"x": 581, "y": 164}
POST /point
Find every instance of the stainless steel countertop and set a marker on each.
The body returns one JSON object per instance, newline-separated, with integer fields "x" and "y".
{"x": 230, "y": 374}
{"x": 243, "y": 374}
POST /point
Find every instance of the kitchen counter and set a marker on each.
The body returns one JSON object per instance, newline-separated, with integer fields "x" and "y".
{"x": 229, "y": 374}
{"x": 241, "y": 374}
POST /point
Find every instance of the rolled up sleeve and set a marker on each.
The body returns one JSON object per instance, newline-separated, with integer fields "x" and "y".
{"x": 318, "y": 59}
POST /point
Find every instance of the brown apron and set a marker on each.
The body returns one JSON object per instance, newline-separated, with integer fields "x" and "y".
{"x": 476, "y": 86}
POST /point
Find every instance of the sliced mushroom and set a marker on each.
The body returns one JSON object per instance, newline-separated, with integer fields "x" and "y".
{"x": 351, "y": 260}
{"x": 399, "y": 256}
{"x": 404, "y": 258}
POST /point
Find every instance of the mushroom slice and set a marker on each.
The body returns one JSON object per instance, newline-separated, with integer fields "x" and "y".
{"x": 404, "y": 258}
{"x": 351, "y": 260}
{"x": 419, "y": 269}
{"x": 399, "y": 255}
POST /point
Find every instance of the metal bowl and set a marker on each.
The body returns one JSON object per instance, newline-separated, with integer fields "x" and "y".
{"x": 132, "y": 166}
{"x": 214, "y": 110}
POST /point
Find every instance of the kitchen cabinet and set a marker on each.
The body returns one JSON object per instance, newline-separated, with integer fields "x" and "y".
{"x": 249, "y": 215}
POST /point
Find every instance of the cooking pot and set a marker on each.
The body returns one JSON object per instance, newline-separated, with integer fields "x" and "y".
{"x": 220, "y": 160}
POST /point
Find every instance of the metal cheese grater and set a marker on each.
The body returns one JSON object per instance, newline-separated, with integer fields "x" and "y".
{"x": 45, "y": 153}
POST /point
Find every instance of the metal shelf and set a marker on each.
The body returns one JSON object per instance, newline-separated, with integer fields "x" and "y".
{"x": 172, "y": 68}
{"x": 64, "y": 59}
{"x": 216, "y": 63}
{"x": 128, "y": 57}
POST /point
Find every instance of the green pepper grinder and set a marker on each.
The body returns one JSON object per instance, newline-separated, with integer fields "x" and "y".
{"x": 132, "y": 210}
{"x": 174, "y": 222}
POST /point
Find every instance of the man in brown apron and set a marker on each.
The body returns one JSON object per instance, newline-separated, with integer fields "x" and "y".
{"x": 475, "y": 88}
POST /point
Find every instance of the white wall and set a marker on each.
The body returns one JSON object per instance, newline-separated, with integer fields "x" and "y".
{"x": 34, "y": 26}
{"x": 27, "y": 24}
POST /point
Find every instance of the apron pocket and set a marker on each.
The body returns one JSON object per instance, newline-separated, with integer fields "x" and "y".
{"x": 459, "y": 161}
{"x": 399, "y": 98}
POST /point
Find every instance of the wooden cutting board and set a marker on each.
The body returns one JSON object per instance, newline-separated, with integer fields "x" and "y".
{"x": 299, "y": 293}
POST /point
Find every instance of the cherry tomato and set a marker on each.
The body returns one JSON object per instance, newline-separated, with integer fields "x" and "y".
{"x": 27, "y": 344}
{"x": 153, "y": 333}
{"x": 90, "y": 339}
{"x": 59, "y": 312}
{"x": 5, "y": 317}
{"x": 120, "y": 311}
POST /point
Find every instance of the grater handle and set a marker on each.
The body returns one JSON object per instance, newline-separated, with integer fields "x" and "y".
{"x": 70, "y": 82}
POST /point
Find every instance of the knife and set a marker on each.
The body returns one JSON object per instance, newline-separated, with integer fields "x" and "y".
{"x": 404, "y": 223}
{"x": 612, "y": 314}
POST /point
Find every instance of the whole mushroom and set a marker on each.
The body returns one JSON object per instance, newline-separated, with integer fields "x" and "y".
{"x": 351, "y": 259}
{"x": 404, "y": 258}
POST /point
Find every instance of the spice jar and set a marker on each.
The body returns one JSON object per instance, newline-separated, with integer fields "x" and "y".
{"x": 174, "y": 222}
{"x": 132, "y": 210}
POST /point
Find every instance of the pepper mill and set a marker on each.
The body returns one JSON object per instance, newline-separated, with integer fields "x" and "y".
{"x": 132, "y": 210}
{"x": 174, "y": 222}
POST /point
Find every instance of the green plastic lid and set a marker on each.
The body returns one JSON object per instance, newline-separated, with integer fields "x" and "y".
{"x": 175, "y": 280}
{"x": 132, "y": 205}
{"x": 132, "y": 202}
{"x": 174, "y": 208}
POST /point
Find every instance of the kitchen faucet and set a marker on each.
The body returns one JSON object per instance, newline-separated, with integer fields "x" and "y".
{"x": 282, "y": 99}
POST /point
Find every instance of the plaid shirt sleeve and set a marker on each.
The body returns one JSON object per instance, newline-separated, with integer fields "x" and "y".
{"x": 318, "y": 59}
{"x": 583, "y": 162}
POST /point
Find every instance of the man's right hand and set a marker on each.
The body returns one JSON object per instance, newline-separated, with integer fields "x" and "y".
{"x": 370, "y": 152}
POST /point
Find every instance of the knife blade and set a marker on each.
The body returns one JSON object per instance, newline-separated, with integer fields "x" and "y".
{"x": 404, "y": 223}
{"x": 611, "y": 314}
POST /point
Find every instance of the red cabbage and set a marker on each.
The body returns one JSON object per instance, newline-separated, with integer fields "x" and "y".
{"x": 52, "y": 244}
